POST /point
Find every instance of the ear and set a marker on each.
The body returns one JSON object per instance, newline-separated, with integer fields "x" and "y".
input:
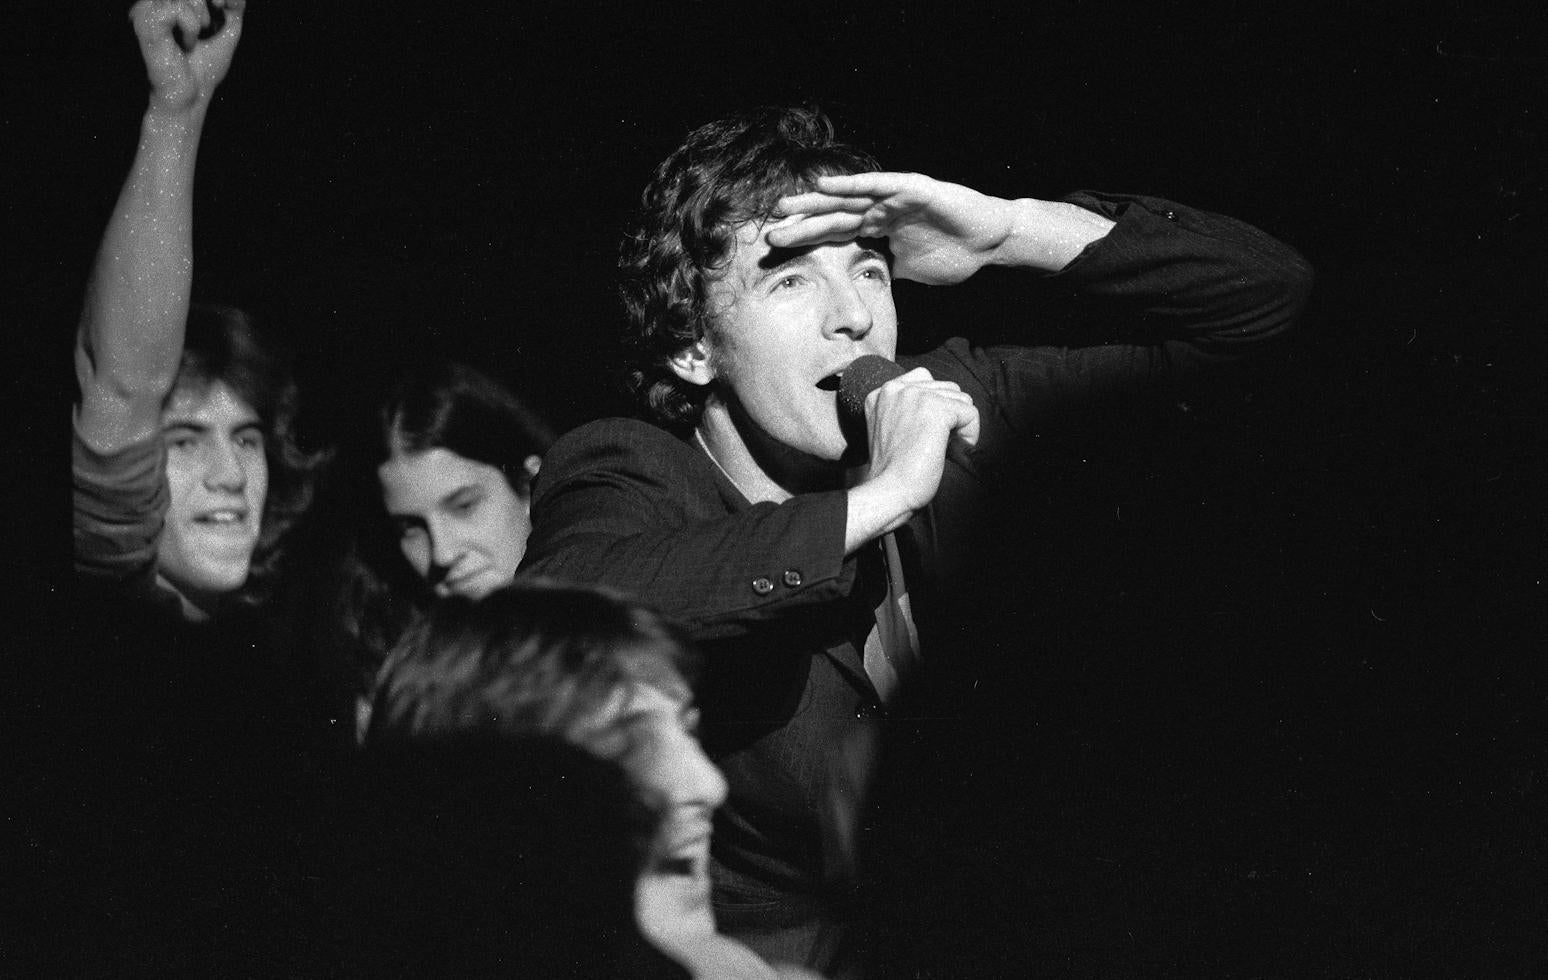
{"x": 692, "y": 364}
{"x": 532, "y": 464}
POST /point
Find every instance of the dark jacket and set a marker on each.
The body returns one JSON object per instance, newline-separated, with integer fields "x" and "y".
{"x": 767, "y": 590}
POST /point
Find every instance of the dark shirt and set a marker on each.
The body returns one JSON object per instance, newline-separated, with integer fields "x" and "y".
{"x": 187, "y": 762}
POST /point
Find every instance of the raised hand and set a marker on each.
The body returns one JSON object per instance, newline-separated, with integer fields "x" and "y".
{"x": 184, "y": 70}
{"x": 940, "y": 233}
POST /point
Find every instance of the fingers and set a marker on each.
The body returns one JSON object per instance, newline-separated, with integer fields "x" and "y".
{"x": 154, "y": 20}
{"x": 912, "y": 421}
{"x": 163, "y": 24}
{"x": 817, "y": 229}
{"x": 921, "y": 391}
{"x": 848, "y": 206}
{"x": 817, "y": 217}
{"x": 157, "y": 21}
{"x": 967, "y": 427}
{"x": 813, "y": 202}
{"x": 231, "y": 13}
{"x": 947, "y": 399}
{"x": 193, "y": 16}
{"x": 221, "y": 44}
{"x": 877, "y": 183}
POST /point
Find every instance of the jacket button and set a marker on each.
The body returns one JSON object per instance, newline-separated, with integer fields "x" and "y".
{"x": 792, "y": 578}
{"x": 1169, "y": 215}
{"x": 762, "y": 586}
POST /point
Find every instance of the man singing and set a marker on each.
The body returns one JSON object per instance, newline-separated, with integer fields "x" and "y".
{"x": 798, "y": 524}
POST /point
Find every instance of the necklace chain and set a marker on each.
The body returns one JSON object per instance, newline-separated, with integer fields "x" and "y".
{"x": 699, "y": 435}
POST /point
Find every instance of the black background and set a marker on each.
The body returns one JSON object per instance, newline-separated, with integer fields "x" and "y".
{"x": 1284, "y": 643}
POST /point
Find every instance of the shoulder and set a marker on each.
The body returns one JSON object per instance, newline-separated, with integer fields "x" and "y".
{"x": 613, "y": 434}
{"x": 975, "y": 369}
{"x": 618, "y": 449}
{"x": 613, "y": 442}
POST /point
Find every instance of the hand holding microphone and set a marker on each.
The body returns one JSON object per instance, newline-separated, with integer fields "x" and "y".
{"x": 910, "y": 420}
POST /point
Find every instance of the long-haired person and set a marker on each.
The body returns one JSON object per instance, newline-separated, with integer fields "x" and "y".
{"x": 187, "y": 471}
{"x": 438, "y": 488}
{"x": 183, "y": 718}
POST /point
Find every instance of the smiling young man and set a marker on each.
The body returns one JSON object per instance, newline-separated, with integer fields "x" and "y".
{"x": 186, "y": 471}
{"x": 185, "y": 715}
{"x": 791, "y": 537}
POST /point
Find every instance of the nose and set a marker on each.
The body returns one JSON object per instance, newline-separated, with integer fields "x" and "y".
{"x": 445, "y": 546}
{"x": 848, "y": 312}
{"x": 224, "y": 468}
{"x": 701, "y": 781}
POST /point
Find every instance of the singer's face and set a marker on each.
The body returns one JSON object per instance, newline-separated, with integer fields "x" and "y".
{"x": 786, "y": 321}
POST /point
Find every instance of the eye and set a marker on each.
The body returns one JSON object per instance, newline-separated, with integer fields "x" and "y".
{"x": 876, "y": 273}
{"x": 465, "y": 506}
{"x": 250, "y": 439}
{"x": 787, "y": 282}
{"x": 183, "y": 442}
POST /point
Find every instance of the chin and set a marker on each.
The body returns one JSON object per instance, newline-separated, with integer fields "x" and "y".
{"x": 223, "y": 583}
{"x": 672, "y": 905}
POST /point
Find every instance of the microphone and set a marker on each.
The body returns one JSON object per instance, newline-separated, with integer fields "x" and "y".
{"x": 864, "y": 375}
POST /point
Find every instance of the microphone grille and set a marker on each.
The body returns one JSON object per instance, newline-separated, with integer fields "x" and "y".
{"x": 864, "y": 375}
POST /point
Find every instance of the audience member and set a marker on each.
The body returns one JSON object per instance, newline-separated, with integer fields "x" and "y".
{"x": 186, "y": 730}
{"x": 480, "y": 855}
{"x": 606, "y": 675}
{"x": 436, "y": 491}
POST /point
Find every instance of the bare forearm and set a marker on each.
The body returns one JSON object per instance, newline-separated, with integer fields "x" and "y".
{"x": 136, "y": 307}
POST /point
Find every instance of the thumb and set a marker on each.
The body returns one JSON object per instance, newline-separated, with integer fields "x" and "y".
{"x": 153, "y": 24}
{"x": 214, "y": 53}
{"x": 966, "y": 430}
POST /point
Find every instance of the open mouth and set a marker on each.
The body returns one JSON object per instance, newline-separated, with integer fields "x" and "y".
{"x": 832, "y": 381}
{"x": 222, "y": 518}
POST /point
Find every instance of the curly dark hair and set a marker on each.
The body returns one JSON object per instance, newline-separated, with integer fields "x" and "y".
{"x": 727, "y": 173}
{"x": 224, "y": 344}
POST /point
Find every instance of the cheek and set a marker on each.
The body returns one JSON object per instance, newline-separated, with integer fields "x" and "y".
{"x": 416, "y": 551}
{"x": 510, "y": 526}
{"x": 258, "y": 482}
{"x": 182, "y": 478}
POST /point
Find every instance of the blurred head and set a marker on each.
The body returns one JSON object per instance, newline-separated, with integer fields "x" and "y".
{"x": 236, "y": 478}
{"x": 455, "y": 454}
{"x": 482, "y": 854}
{"x": 726, "y": 175}
{"x": 582, "y": 665}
